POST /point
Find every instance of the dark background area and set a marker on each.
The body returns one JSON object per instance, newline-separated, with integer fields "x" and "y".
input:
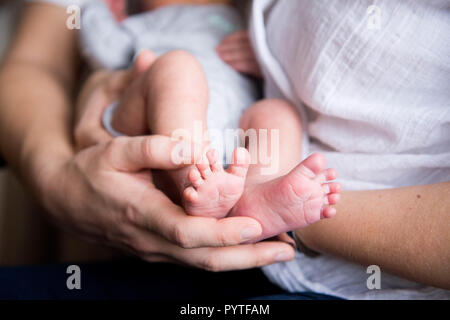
{"x": 8, "y": 16}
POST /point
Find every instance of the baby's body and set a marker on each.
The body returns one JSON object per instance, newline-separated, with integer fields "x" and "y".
{"x": 182, "y": 88}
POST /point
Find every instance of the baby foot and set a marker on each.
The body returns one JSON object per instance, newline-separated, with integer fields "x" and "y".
{"x": 294, "y": 201}
{"x": 215, "y": 191}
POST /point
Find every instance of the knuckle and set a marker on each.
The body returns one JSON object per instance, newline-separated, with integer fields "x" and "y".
{"x": 139, "y": 248}
{"x": 260, "y": 261}
{"x": 181, "y": 237}
{"x": 211, "y": 263}
{"x": 222, "y": 238}
{"x": 146, "y": 149}
{"x": 132, "y": 215}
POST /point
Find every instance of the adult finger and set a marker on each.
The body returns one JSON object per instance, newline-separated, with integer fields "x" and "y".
{"x": 284, "y": 237}
{"x": 230, "y": 43}
{"x": 235, "y": 257}
{"x": 133, "y": 154}
{"x": 238, "y": 36}
{"x": 237, "y": 54}
{"x": 152, "y": 247}
{"x": 250, "y": 67}
{"x": 171, "y": 222}
{"x": 90, "y": 136}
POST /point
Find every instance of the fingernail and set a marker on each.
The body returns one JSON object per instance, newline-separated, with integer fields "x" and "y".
{"x": 283, "y": 256}
{"x": 250, "y": 233}
{"x": 292, "y": 244}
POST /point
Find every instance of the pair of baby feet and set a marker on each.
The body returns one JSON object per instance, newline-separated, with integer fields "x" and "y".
{"x": 290, "y": 202}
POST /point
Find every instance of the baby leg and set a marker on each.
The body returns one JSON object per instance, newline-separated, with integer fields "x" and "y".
{"x": 171, "y": 95}
{"x": 175, "y": 95}
{"x": 296, "y": 193}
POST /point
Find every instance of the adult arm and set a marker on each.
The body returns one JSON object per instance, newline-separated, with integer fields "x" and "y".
{"x": 404, "y": 231}
{"x": 36, "y": 82}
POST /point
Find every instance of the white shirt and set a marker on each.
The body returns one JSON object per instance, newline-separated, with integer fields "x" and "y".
{"x": 378, "y": 103}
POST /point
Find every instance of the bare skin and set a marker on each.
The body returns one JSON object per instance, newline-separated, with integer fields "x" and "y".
{"x": 388, "y": 228}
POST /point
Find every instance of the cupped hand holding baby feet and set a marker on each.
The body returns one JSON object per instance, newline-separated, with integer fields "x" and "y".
{"x": 214, "y": 190}
{"x": 293, "y": 201}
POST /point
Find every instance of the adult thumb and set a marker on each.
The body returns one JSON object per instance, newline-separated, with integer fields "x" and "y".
{"x": 133, "y": 154}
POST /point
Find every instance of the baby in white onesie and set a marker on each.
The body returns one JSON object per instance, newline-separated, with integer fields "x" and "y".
{"x": 188, "y": 90}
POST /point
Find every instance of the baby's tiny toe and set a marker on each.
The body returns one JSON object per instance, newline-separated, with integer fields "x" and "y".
{"x": 214, "y": 161}
{"x": 333, "y": 187}
{"x": 328, "y": 212}
{"x": 190, "y": 194}
{"x": 333, "y": 198}
{"x": 195, "y": 178}
{"x": 321, "y": 178}
{"x": 241, "y": 162}
{"x": 314, "y": 164}
{"x": 330, "y": 174}
{"x": 326, "y": 188}
{"x": 204, "y": 167}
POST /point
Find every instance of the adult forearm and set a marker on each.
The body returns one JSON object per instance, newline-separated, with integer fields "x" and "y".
{"x": 35, "y": 121}
{"x": 405, "y": 231}
{"x": 36, "y": 80}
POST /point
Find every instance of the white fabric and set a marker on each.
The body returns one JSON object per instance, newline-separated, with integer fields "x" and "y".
{"x": 378, "y": 103}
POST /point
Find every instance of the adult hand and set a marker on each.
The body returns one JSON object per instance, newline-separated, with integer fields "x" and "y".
{"x": 236, "y": 50}
{"x": 106, "y": 193}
